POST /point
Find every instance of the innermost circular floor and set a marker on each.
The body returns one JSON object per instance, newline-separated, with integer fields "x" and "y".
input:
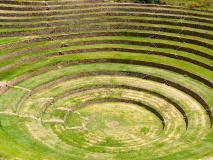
{"x": 111, "y": 126}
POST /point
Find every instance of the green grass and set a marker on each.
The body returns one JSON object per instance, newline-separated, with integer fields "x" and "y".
{"x": 43, "y": 126}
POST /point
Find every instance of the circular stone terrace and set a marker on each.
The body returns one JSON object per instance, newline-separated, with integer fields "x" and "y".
{"x": 94, "y": 80}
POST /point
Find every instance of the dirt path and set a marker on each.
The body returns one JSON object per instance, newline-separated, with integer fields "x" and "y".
{"x": 83, "y": 125}
{"x": 26, "y": 89}
{"x": 8, "y": 112}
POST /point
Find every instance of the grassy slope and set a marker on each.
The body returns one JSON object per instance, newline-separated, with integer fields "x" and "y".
{"x": 30, "y": 139}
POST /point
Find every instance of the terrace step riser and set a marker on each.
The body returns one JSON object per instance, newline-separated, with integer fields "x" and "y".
{"x": 67, "y": 17}
{"x": 78, "y": 22}
{"x": 98, "y": 34}
{"x": 44, "y": 3}
{"x": 104, "y": 27}
{"x": 80, "y": 5}
{"x": 136, "y": 43}
{"x": 79, "y": 51}
{"x": 53, "y": 13}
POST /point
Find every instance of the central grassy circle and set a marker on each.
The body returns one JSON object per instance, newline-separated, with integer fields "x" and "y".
{"x": 111, "y": 117}
{"x": 110, "y": 125}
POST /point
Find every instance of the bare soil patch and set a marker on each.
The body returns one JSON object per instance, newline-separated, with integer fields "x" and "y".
{"x": 3, "y": 83}
{"x": 112, "y": 123}
{"x": 53, "y": 120}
